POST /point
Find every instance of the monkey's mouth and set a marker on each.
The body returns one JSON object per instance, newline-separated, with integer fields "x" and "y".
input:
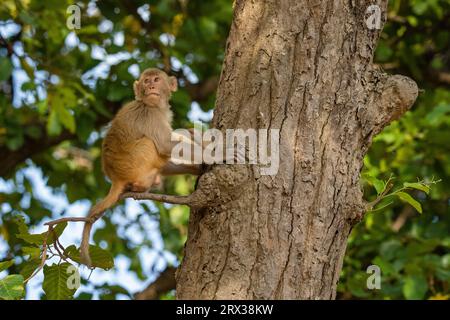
{"x": 152, "y": 94}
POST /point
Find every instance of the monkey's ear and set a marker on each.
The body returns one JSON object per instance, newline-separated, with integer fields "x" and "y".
{"x": 136, "y": 90}
{"x": 173, "y": 84}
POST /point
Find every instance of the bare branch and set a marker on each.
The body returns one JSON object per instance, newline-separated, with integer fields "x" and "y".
{"x": 190, "y": 200}
{"x": 44, "y": 255}
{"x": 74, "y": 219}
{"x": 165, "y": 282}
{"x": 200, "y": 91}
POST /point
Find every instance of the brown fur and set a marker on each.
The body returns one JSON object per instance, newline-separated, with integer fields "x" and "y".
{"x": 137, "y": 145}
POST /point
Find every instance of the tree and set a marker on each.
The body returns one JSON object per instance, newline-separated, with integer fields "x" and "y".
{"x": 307, "y": 70}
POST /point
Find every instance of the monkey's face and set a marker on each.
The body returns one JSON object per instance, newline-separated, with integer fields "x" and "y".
{"x": 155, "y": 89}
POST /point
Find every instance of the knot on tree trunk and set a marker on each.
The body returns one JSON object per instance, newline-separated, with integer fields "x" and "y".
{"x": 222, "y": 184}
{"x": 392, "y": 96}
{"x": 388, "y": 98}
{"x": 398, "y": 95}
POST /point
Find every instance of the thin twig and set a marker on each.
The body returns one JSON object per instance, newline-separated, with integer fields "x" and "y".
{"x": 381, "y": 208}
{"x": 56, "y": 243}
{"x": 381, "y": 196}
{"x": 44, "y": 255}
{"x": 73, "y": 219}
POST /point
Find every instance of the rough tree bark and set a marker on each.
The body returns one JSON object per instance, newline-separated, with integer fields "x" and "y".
{"x": 304, "y": 67}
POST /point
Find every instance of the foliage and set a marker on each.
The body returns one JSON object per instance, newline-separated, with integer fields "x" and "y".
{"x": 60, "y": 87}
{"x": 411, "y": 250}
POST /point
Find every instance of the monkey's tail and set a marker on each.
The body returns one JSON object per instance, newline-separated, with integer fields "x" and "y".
{"x": 96, "y": 213}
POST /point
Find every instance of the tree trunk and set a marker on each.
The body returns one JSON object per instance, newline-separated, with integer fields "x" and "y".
{"x": 304, "y": 67}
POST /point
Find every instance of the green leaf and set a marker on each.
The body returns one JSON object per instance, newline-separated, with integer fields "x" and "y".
{"x": 53, "y": 125}
{"x": 84, "y": 296}
{"x": 100, "y": 258}
{"x": 21, "y": 225}
{"x": 389, "y": 249}
{"x": 15, "y": 142}
{"x": 58, "y": 230}
{"x": 56, "y": 282}
{"x": 438, "y": 115}
{"x": 357, "y": 285}
{"x": 32, "y": 238}
{"x": 378, "y": 184}
{"x": 418, "y": 186}
{"x": 407, "y": 198}
{"x": 415, "y": 287}
{"x": 66, "y": 118}
{"x": 29, "y": 267}
{"x": 383, "y": 52}
{"x": 118, "y": 92}
{"x": 5, "y": 265}
{"x": 179, "y": 215}
{"x": 6, "y": 68}
{"x": 42, "y": 106}
{"x": 11, "y": 287}
{"x": 39, "y": 238}
{"x": 420, "y": 7}
{"x": 33, "y": 131}
{"x": 443, "y": 274}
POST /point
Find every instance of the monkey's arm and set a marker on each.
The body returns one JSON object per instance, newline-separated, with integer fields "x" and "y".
{"x": 172, "y": 168}
{"x": 161, "y": 137}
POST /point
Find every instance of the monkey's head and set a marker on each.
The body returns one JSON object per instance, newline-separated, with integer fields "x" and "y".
{"x": 154, "y": 87}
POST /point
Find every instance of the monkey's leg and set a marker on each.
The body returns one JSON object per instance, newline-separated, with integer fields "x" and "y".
{"x": 146, "y": 181}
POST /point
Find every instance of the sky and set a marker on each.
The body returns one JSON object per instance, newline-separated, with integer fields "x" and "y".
{"x": 149, "y": 256}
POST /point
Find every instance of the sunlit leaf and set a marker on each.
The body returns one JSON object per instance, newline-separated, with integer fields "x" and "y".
{"x": 100, "y": 258}
{"x": 56, "y": 283}
{"x": 418, "y": 186}
{"x": 6, "y": 264}
{"x": 407, "y": 198}
{"x": 415, "y": 287}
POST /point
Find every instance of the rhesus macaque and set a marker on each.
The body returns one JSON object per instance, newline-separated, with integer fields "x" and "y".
{"x": 137, "y": 146}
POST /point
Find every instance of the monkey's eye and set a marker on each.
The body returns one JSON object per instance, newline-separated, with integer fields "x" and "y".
{"x": 146, "y": 80}
{"x": 156, "y": 79}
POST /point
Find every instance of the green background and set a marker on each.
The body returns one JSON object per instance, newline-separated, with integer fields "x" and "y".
{"x": 72, "y": 82}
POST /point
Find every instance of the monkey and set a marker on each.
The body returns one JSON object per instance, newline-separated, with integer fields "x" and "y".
{"x": 137, "y": 147}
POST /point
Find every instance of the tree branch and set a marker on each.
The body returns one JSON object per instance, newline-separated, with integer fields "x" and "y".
{"x": 200, "y": 91}
{"x": 192, "y": 200}
{"x": 399, "y": 94}
{"x": 442, "y": 77}
{"x": 69, "y": 219}
{"x": 11, "y": 158}
{"x": 165, "y": 282}
{"x": 391, "y": 97}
